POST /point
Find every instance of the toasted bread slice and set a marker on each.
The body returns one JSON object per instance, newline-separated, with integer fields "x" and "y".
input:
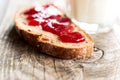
{"x": 49, "y": 43}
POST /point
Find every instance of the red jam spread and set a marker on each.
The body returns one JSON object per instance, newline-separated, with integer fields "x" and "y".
{"x": 51, "y": 20}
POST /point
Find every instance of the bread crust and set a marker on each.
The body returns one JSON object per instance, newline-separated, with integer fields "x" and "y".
{"x": 57, "y": 51}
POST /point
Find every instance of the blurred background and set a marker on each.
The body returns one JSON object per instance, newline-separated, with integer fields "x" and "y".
{"x": 99, "y": 13}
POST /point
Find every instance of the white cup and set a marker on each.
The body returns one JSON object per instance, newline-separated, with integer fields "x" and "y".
{"x": 94, "y": 16}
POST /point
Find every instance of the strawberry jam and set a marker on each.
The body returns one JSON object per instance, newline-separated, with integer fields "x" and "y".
{"x": 51, "y": 20}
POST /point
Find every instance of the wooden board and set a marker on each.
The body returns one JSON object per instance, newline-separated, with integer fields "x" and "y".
{"x": 20, "y": 61}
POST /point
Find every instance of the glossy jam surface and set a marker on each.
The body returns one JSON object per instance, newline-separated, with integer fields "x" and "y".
{"x": 51, "y": 20}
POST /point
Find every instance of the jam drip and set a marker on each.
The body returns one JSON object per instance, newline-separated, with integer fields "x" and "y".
{"x": 50, "y": 19}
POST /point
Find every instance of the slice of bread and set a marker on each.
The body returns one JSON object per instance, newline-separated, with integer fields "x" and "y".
{"x": 49, "y": 43}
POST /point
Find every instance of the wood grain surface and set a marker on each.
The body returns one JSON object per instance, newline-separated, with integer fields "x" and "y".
{"x": 20, "y": 61}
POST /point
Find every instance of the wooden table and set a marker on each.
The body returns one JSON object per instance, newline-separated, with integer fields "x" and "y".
{"x": 20, "y": 61}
